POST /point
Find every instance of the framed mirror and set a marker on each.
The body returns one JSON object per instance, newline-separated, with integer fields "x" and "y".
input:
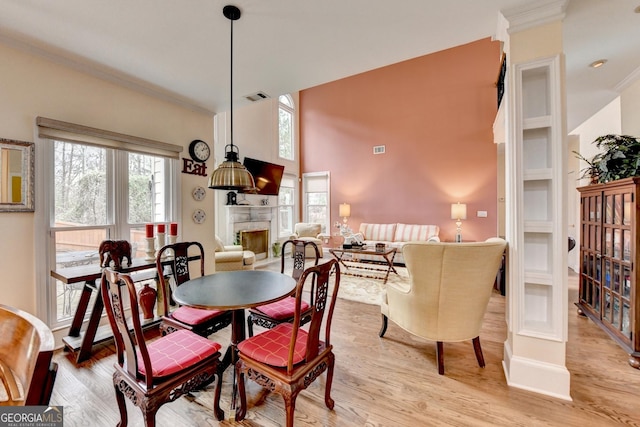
{"x": 16, "y": 176}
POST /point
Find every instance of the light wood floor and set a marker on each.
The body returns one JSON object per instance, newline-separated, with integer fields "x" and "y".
{"x": 394, "y": 382}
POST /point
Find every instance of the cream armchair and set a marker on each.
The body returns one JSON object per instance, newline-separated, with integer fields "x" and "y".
{"x": 447, "y": 294}
{"x": 233, "y": 257}
{"x": 309, "y": 232}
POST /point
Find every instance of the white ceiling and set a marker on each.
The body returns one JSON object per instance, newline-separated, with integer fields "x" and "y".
{"x": 180, "y": 49}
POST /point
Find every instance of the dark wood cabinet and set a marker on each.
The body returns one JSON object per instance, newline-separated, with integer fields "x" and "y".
{"x": 608, "y": 241}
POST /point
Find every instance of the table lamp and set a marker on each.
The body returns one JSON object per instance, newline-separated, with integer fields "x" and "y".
{"x": 458, "y": 212}
{"x": 345, "y": 212}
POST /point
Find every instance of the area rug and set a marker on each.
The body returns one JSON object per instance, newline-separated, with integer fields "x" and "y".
{"x": 368, "y": 290}
{"x": 356, "y": 288}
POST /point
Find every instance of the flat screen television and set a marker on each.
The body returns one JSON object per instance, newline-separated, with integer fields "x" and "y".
{"x": 267, "y": 176}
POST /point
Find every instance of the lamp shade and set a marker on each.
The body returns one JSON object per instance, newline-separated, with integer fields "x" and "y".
{"x": 345, "y": 210}
{"x": 458, "y": 211}
{"x": 231, "y": 175}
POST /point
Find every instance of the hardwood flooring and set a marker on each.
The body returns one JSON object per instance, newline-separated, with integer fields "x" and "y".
{"x": 394, "y": 382}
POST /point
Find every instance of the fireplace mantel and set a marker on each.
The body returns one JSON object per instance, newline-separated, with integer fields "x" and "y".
{"x": 248, "y": 217}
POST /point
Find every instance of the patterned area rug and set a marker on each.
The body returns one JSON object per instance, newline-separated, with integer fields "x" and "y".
{"x": 367, "y": 290}
{"x": 355, "y": 287}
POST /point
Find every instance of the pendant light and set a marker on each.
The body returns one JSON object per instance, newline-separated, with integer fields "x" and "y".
{"x": 231, "y": 174}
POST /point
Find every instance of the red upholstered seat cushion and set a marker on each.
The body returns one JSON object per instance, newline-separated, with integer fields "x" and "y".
{"x": 193, "y": 316}
{"x": 272, "y": 346}
{"x": 282, "y": 309}
{"x": 174, "y": 352}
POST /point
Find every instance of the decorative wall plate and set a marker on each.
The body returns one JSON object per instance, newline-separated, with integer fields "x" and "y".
{"x": 199, "y": 193}
{"x": 199, "y": 216}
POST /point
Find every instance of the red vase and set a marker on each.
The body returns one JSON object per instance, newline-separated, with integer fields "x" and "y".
{"x": 147, "y": 299}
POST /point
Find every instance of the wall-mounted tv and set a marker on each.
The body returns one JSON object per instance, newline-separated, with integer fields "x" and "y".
{"x": 267, "y": 176}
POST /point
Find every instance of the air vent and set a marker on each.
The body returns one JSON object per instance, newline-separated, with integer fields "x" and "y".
{"x": 378, "y": 149}
{"x": 258, "y": 96}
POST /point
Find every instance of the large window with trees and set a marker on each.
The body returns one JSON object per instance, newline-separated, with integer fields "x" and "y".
{"x": 97, "y": 189}
{"x": 101, "y": 193}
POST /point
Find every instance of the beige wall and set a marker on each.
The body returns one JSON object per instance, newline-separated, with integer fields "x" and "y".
{"x": 31, "y": 86}
{"x": 630, "y": 108}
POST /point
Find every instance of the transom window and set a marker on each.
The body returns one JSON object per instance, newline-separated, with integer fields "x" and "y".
{"x": 286, "y": 114}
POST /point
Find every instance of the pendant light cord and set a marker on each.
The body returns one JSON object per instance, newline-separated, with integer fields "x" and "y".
{"x": 231, "y": 86}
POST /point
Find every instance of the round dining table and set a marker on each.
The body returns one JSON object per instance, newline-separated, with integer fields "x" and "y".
{"x": 234, "y": 291}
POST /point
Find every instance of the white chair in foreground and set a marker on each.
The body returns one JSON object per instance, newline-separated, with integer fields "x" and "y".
{"x": 448, "y": 292}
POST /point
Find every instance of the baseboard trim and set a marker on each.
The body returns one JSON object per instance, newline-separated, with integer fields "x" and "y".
{"x": 535, "y": 376}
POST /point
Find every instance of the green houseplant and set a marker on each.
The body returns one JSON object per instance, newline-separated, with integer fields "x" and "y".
{"x": 619, "y": 158}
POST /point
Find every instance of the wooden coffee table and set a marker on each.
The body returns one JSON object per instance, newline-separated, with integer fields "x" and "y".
{"x": 360, "y": 268}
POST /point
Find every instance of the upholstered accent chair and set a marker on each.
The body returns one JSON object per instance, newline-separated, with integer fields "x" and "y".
{"x": 288, "y": 358}
{"x": 448, "y": 292}
{"x": 201, "y": 321}
{"x": 151, "y": 374}
{"x": 310, "y": 232}
{"x": 233, "y": 257}
{"x": 270, "y": 315}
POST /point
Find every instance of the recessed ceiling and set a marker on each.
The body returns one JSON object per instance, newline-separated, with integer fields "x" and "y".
{"x": 180, "y": 49}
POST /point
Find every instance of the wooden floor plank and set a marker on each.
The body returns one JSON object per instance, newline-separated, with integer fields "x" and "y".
{"x": 394, "y": 381}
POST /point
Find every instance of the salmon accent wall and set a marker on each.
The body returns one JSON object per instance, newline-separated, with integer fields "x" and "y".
{"x": 434, "y": 115}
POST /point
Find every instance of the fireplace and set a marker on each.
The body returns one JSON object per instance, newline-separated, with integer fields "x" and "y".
{"x": 256, "y": 241}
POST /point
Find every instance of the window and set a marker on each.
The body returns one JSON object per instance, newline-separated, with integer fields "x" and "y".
{"x": 285, "y": 127}
{"x": 316, "y": 197}
{"x": 286, "y": 205}
{"x": 97, "y": 192}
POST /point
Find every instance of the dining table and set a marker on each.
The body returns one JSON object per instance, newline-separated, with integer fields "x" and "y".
{"x": 234, "y": 291}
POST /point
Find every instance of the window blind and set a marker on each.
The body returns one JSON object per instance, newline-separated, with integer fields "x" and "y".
{"x": 71, "y": 132}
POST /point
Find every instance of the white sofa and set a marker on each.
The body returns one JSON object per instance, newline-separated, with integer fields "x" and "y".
{"x": 396, "y": 235}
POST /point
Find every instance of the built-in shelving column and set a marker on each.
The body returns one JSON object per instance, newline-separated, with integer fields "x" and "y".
{"x": 535, "y": 165}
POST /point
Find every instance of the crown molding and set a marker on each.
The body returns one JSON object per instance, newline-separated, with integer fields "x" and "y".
{"x": 534, "y": 14}
{"x": 103, "y": 73}
{"x": 628, "y": 81}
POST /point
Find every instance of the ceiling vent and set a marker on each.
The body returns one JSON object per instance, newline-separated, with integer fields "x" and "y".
{"x": 378, "y": 149}
{"x": 258, "y": 96}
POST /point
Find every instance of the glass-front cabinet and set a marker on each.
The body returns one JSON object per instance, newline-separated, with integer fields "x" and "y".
{"x": 607, "y": 293}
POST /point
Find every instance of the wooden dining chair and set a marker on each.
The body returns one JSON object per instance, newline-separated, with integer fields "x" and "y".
{"x": 287, "y": 358}
{"x": 202, "y": 322}
{"x": 27, "y": 370}
{"x": 270, "y": 315}
{"x": 151, "y": 374}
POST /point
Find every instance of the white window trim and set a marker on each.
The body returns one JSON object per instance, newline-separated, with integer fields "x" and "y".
{"x": 45, "y": 284}
{"x": 294, "y": 130}
{"x": 303, "y": 190}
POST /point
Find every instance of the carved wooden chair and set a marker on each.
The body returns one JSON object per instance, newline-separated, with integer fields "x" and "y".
{"x": 287, "y": 358}
{"x": 151, "y": 374}
{"x": 202, "y": 322}
{"x": 27, "y": 372}
{"x": 448, "y": 292}
{"x": 270, "y": 315}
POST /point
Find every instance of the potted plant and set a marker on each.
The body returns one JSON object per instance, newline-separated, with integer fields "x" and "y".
{"x": 276, "y": 249}
{"x": 592, "y": 171}
{"x": 619, "y": 158}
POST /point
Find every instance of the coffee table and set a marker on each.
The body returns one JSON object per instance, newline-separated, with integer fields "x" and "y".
{"x": 359, "y": 267}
